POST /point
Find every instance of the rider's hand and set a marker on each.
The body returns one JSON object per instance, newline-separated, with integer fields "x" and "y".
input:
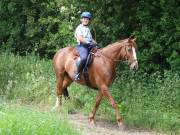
{"x": 94, "y": 42}
{"x": 96, "y": 46}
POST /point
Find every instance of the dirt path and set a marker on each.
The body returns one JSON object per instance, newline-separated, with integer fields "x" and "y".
{"x": 103, "y": 127}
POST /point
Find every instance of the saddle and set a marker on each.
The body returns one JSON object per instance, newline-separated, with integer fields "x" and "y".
{"x": 92, "y": 53}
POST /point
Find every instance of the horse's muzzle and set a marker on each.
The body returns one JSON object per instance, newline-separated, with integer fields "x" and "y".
{"x": 134, "y": 65}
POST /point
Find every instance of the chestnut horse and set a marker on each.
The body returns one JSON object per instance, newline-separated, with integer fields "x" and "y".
{"x": 101, "y": 71}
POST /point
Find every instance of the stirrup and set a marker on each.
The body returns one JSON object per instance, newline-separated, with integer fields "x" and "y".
{"x": 77, "y": 77}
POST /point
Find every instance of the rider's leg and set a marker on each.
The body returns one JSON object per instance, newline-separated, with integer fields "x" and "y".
{"x": 83, "y": 51}
{"x": 79, "y": 65}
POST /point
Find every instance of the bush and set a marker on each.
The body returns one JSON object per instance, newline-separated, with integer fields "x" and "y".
{"x": 25, "y": 78}
{"x": 44, "y": 27}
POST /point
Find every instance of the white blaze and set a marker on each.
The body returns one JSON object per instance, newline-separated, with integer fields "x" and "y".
{"x": 134, "y": 53}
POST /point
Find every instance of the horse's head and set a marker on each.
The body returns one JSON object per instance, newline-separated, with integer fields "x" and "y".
{"x": 129, "y": 53}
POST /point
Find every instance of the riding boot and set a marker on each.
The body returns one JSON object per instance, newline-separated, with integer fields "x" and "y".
{"x": 79, "y": 65}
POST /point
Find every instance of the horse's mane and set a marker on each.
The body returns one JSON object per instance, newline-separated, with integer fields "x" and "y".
{"x": 119, "y": 41}
{"x": 122, "y": 40}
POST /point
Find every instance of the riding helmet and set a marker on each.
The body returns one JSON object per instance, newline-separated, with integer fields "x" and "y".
{"x": 86, "y": 15}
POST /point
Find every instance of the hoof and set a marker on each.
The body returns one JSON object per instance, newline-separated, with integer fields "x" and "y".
{"x": 92, "y": 122}
{"x": 121, "y": 126}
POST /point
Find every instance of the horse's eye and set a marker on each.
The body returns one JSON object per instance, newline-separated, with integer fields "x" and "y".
{"x": 129, "y": 49}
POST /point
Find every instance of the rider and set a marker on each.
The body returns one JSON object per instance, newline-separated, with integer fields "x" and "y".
{"x": 85, "y": 42}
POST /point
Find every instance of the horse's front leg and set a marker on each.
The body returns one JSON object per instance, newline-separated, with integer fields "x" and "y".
{"x": 106, "y": 93}
{"x": 92, "y": 115}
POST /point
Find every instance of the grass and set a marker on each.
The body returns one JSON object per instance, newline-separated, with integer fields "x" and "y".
{"x": 28, "y": 120}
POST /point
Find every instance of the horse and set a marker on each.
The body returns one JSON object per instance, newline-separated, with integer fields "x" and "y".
{"x": 101, "y": 71}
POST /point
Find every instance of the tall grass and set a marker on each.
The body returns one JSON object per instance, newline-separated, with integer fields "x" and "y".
{"x": 145, "y": 101}
{"x": 26, "y": 78}
{"x": 151, "y": 101}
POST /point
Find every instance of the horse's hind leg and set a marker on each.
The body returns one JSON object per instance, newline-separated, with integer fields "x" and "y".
{"x": 59, "y": 90}
{"x": 63, "y": 81}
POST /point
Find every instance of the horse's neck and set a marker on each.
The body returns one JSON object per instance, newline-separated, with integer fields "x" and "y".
{"x": 113, "y": 51}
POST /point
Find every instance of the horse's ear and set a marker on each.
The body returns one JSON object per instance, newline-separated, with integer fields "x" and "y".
{"x": 132, "y": 38}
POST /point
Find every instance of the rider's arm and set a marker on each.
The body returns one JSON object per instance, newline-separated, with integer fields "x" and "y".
{"x": 81, "y": 39}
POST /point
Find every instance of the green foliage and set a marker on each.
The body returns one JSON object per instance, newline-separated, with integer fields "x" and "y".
{"x": 151, "y": 101}
{"x": 26, "y": 78}
{"x": 34, "y": 26}
{"x": 28, "y": 120}
{"x": 46, "y": 26}
{"x": 158, "y": 32}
